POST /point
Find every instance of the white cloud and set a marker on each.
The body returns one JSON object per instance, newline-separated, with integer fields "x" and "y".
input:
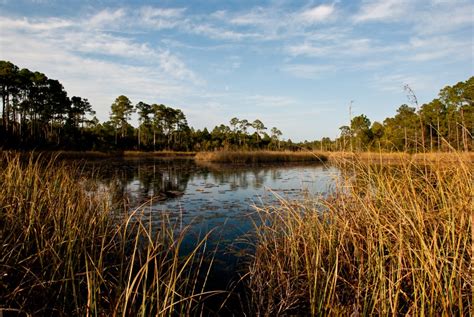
{"x": 382, "y": 10}
{"x": 257, "y": 16}
{"x": 105, "y": 17}
{"x": 174, "y": 66}
{"x": 444, "y": 17}
{"x": 346, "y": 47}
{"x": 436, "y": 47}
{"x": 103, "y": 44}
{"x": 318, "y": 13}
{"x": 219, "y": 33}
{"x": 162, "y": 18}
{"x": 23, "y": 24}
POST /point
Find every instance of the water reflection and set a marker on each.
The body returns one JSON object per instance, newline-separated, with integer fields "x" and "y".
{"x": 210, "y": 196}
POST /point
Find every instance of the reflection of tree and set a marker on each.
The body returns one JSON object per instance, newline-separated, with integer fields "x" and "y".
{"x": 239, "y": 176}
{"x": 136, "y": 181}
{"x": 276, "y": 174}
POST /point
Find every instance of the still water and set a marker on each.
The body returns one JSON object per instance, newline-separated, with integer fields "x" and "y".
{"x": 207, "y": 196}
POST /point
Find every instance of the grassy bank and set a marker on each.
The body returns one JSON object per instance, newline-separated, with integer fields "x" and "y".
{"x": 253, "y": 157}
{"x": 392, "y": 240}
{"x": 105, "y": 155}
{"x": 64, "y": 251}
{"x": 399, "y": 157}
{"x": 158, "y": 154}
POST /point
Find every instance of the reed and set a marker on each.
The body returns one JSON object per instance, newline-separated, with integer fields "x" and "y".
{"x": 390, "y": 240}
{"x": 254, "y": 157}
{"x": 65, "y": 251}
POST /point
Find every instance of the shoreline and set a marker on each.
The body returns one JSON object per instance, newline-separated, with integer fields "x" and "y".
{"x": 255, "y": 157}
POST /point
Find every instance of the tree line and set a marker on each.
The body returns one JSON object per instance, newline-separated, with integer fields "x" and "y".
{"x": 38, "y": 113}
{"x": 444, "y": 124}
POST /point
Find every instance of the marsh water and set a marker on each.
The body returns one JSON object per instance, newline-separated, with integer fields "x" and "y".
{"x": 203, "y": 197}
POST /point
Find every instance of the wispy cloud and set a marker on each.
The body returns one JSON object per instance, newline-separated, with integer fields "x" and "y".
{"x": 317, "y": 14}
{"x": 35, "y": 25}
{"x": 444, "y": 17}
{"x": 105, "y": 17}
{"x": 174, "y": 66}
{"x": 382, "y": 10}
{"x": 347, "y": 47}
{"x": 421, "y": 48}
{"x": 162, "y": 18}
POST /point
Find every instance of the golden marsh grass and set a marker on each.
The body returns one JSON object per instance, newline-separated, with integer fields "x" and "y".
{"x": 254, "y": 157}
{"x": 391, "y": 240}
{"x": 65, "y": 251}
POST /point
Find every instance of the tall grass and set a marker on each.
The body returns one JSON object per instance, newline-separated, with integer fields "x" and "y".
{"x": 64, "y": 251}
{"x": 253, "y": 157}
{"x": 390, "y": 241}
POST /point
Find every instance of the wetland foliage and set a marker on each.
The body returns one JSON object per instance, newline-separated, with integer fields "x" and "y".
{"x": 254, "y": 157}
{"x": 65, "y": 250}
{"x": 393, "y": 239}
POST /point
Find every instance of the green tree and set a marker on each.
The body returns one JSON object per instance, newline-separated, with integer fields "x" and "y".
{"x": 8, "y": 85}
{"x": 275, "y": 135}
{"x": 377, "y": 132}
{"x": 80, "y": 107}
{"x": 402, "y": 132}
{"x": 122, "y": 109}
{"x": 244, "y": 125}
{"x": 144, "y": 122}
{"x": 360, "y": 126}
{"x": 259, "y": 127}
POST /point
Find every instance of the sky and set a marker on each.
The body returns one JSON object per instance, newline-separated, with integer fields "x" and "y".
{"x": 294, "y": 64}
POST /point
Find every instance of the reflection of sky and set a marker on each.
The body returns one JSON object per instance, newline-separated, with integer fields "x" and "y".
{"x": 212, "y": 198}
{"x": 215, "y": 198}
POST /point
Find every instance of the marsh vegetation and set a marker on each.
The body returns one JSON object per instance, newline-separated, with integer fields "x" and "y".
{"x": 67, "y": 250}
{"x": 392, "y": 239}
{"x": 381, "y": 239}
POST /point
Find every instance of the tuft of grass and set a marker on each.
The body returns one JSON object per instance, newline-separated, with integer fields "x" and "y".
{"x": 158, "y": 154}
{"x": 391, "y": 240}
{"x": 253, "y": 157}
{"x": 65, "y": 250}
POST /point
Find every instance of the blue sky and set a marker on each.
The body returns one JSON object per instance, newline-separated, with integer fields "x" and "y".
{"x": 293, "y": 64}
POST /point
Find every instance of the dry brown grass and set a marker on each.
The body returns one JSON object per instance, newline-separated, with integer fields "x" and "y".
{"x": 158, "y": 154}
{"x": 253, "y": 157}
{"x": 392, "y": 240}
{"x": 400, "y": 157}
{"x": 65, "y": 251}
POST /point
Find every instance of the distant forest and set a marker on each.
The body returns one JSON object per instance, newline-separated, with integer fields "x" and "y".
{"x": 37, "y": 113}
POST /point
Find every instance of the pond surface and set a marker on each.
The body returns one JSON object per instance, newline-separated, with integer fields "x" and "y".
{"x": 214, "y": 197}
